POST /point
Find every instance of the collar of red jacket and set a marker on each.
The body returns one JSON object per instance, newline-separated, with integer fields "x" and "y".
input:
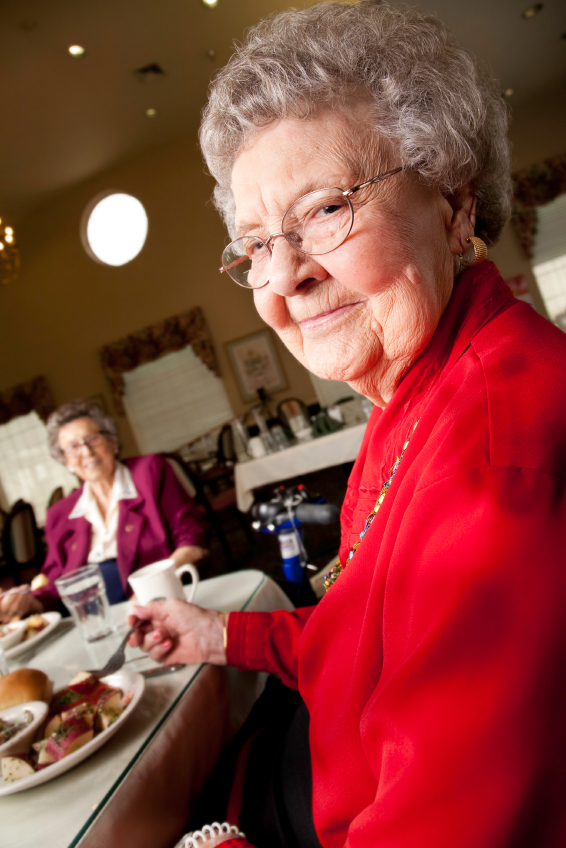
{"x": 479, "y": 295}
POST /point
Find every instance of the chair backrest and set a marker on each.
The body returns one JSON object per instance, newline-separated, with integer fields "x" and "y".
{"x": 226, "y": 450}
{"x": 20, "y": 537}
{"x": 56, "y": 495}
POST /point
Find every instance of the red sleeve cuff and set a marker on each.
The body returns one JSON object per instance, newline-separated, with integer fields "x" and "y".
{"x": 246, "y": 640}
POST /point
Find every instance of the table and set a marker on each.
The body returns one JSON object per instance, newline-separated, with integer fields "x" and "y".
{"x": 313, "y": 455}
{"x": 139, "y": 788}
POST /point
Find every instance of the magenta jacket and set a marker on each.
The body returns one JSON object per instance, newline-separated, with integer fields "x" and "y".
{"x": 150, "y": 527}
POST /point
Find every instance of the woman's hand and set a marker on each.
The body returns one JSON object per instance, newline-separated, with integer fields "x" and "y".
{"x": 178, "y": 632}
{"x": 18, "y": 603}
{"x": 188, "y": 554}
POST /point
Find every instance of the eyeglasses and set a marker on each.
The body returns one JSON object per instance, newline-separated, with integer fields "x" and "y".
{"x": 315, "y": 224}
{"x": 74, "y": 448}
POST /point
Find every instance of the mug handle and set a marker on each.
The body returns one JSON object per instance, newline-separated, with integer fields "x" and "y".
{"x": 188, "y": 569}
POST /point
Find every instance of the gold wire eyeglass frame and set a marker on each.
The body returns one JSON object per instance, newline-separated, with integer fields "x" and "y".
{"x": 346, "y": 193}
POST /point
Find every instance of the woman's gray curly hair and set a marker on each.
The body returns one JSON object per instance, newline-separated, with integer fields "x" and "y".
{"x": 70, "y": 412}
{"x": 443, "y": 114}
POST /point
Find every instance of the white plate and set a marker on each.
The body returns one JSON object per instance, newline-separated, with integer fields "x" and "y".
{"x": 22, "y": 740}
{"x": 13, "y": 636}
{"x": 132, "y": 684}
{"x": 53, "y": 618}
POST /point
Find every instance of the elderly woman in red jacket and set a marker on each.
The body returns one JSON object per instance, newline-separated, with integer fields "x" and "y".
{"x": 362, "y": 164}
{"x": 125, "y": 515}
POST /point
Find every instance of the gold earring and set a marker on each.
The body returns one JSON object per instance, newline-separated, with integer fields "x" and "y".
{"x": 480, "y": 252}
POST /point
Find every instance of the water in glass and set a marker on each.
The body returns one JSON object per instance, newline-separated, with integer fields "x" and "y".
{"x": 84, "y": 594}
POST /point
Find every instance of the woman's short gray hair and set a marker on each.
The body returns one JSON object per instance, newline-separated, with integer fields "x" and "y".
{"x": 70, "y": 412}
{"x": 444, "y": 115}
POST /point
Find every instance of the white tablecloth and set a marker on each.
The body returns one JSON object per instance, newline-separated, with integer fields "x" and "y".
{"x": 324, "y": 452}
{"x": 140, "y": 787}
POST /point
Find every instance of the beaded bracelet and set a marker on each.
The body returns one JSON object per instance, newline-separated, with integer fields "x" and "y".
{"x": 199, "y": 838}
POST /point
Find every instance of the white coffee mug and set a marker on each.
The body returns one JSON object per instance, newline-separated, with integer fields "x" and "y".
{"x": 162, "y": 580}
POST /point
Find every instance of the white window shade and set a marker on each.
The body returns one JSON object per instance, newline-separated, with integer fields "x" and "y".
{"x": 27, "y": 470}
{"x": 174, "y": 400}
{"x": 330, "y": 391}
{"x": 549, "y": 262}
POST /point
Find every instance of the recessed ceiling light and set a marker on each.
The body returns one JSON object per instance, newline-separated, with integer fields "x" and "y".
{"x": 151, "y": 113}
{"x": 210, "y": 3}
{"x": 9, "y": 231}
{"x": 76, "y": 50}
{"x": 509, "y": 92}
{"x": 533, "y": 10}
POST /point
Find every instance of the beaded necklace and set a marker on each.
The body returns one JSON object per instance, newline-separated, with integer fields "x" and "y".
{"x": 337, "y": 570}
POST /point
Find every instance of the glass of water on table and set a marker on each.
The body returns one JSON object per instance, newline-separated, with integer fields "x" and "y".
{"x": 83, "y": 592}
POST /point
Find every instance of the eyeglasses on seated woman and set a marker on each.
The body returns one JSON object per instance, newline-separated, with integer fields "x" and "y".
{"x": 125, "y": 514}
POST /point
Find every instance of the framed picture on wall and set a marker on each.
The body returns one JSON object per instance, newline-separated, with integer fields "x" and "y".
{"x": 256, "y": 364}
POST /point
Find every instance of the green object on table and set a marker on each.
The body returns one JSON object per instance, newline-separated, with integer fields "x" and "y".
{"x": 324, "y": 425}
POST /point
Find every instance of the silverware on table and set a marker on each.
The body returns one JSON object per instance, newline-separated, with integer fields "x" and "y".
{"x": 162, "y": 669}
{"x": 118, "y": 658}
{"x": 16, "y": 590}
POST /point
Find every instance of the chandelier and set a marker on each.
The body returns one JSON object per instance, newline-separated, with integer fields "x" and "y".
{"x": 9, "y": 254}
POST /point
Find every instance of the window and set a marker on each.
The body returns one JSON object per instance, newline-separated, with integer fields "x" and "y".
{"x": 114, "y": 228}
{"x": 330, "y": 391}
{"x": 549, "y": 262}
{"x": 174, "y": 400}
{"x": 27, "y": 470}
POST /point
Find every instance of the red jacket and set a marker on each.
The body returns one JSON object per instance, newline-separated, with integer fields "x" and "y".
{"x": 434, "y": 669}
{"x": 150, "y": 527}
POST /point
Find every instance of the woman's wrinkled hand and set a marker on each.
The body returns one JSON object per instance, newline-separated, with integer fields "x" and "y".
{"x": 18, "y": 604}
{"x": 178, "y": 632}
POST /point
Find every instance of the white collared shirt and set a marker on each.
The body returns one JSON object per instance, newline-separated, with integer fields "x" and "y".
{"x": 104, "y": 531}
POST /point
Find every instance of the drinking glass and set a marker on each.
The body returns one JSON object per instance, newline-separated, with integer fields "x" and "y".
{"x": 3, "y": 663}
{"x": 83, "y": 592}
{"x": 278, "y": 436}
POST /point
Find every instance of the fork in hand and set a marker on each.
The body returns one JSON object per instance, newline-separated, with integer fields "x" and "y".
{"x": 118, "y": 658}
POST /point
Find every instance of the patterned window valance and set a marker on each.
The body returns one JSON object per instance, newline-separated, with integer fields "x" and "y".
{"x": 536, "y": 186}
{"x": 34, "y": 395}
{"x": 147, "y": 345}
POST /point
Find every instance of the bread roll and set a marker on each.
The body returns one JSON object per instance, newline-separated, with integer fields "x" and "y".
{"x": 25, "y": 684}
{"x": 39, "y": 582}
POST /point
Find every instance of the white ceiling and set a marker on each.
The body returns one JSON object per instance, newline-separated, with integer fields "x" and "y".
{"x": 64, "y": 119}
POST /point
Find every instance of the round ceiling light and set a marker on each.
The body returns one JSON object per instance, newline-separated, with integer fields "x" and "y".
{"x": 76, "y": 50}
{"x": 114, "y": 228}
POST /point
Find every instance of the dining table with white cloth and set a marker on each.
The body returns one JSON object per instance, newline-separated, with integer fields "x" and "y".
{"x": 303, "y": 458}
{"x": 140, "y": 787}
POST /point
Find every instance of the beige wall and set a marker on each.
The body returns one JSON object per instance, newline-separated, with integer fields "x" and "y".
{"x": 65, "y": 306}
